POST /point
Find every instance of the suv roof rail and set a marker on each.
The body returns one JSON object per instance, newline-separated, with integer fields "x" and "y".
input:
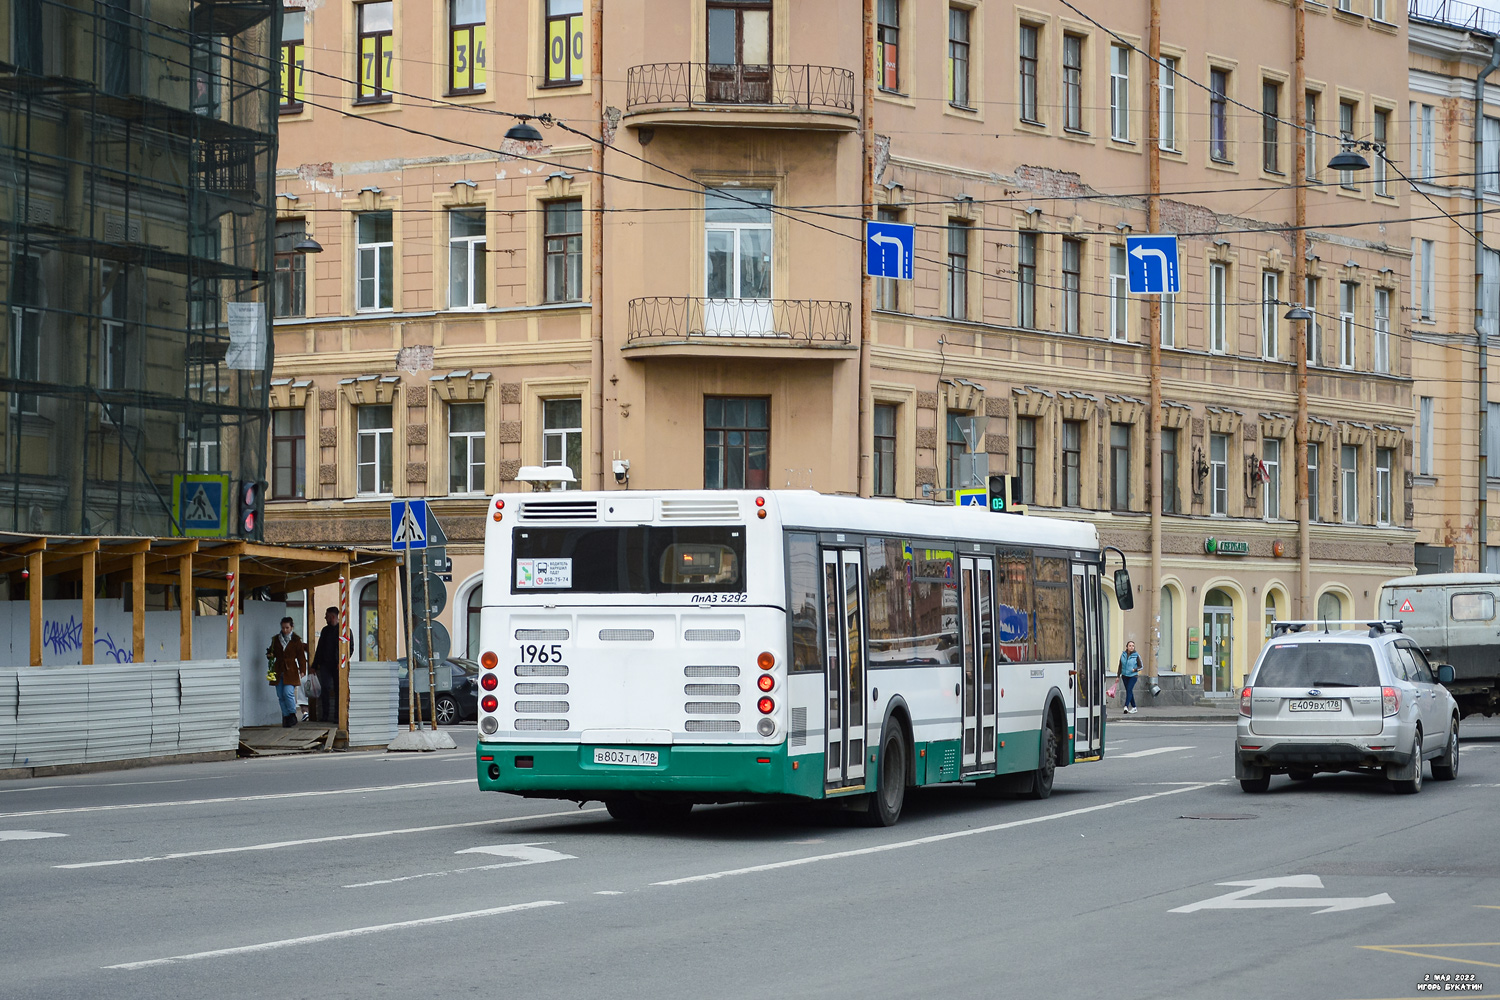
{"x": 1376, "y": 627}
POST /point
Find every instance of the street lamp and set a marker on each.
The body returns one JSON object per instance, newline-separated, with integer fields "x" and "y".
{"x": 523, "y": 131}
{"x": 307, "y": 245}
{"x": 1298, "y": 312}
{"x": 1348, "y": 159}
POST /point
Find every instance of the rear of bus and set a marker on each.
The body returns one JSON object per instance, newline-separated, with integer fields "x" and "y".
{"x": 633, "y": 643}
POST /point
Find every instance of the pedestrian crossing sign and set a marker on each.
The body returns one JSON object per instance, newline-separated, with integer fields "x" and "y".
{"x": 200, "y": 501}
{"x": 408, "y": 525}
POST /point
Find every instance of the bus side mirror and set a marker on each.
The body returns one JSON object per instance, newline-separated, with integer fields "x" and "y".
{"x": 1124, "y": 596}
{"x": 1445, "y": 673}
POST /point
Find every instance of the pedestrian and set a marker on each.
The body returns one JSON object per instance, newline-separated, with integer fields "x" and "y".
{"x": 286, "y": 659}
{"x": 1130, "y": 669}
{"x": 325, "y": 663}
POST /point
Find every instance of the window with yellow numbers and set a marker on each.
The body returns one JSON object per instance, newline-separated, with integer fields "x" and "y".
{"x": 376, "y": 51}
{"x": 466, "y": 47}
{"x": 564, "y": 37}
{"x": 293, "y": 28}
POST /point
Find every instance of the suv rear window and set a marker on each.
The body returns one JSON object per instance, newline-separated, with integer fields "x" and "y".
{"x": 1318, "y": 664}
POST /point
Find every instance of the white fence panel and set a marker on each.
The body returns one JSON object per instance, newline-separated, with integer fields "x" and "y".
{"x": 210, "y": 713}
{"x": 372, "y": 703}
{"x": 166, "y": 704}
{"x": 51, "y": 716}
{"x": 119, "y": 712}
{"x": 8, "y": 696}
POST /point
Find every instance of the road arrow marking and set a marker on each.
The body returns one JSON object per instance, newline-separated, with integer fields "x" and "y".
{"x": 27, "y": 835}
{"x": 525, "y": 854}
{"x": 1239, "y": 899}
{"x": 1141, "y": 253}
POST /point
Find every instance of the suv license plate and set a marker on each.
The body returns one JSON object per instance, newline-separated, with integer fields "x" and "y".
{"x": 1317, "y": 705}
{"x": 629, "y": 758}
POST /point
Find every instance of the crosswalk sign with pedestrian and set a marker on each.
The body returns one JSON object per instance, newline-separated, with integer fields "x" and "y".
{"x": 201, "y": 500}
{"x": 408, "y": 524}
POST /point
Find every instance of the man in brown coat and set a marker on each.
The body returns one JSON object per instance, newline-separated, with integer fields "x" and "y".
{"x": 287, "y": 658}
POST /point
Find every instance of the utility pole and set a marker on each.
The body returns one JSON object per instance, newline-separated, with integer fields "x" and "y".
{"x": 866, "y": 433}
{"x": 1299, "y": 288}
{"x": 1481, "y": 325}
{"x": 1153, "y": 331}
{"x": 596, "y": 248}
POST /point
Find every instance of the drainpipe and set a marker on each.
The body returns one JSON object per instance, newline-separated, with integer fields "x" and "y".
{"x": 596, "y": 247}
{"x": 1153, "y": 328}
{"x": 1479, "y": 296}
{"x": 866, "y": 429}
{"x": 1299, "y": 293}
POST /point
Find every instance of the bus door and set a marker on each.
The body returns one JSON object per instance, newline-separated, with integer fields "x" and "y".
{"x": 843, "y": 638}
{"x": 977, "y": 628}
{"x": 1088, "y": 664}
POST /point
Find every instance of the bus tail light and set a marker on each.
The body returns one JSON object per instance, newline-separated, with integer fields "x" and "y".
{"x": 766, "y": 706}
{"x": 490, "y": 703}
{"x": 760, "y": 501}
{"x": 765, "y": 660}
{"x": 761, "y": 513}
{"x": 489, "y": 660}
{"x": 489, "y": 682}
{"x": 1391, "y": 700}
{"x": 499, "y": 504}
{"x": 766, "y": 727}
{"x": 1245, "y": 702}
{"x": 766, "y": 682}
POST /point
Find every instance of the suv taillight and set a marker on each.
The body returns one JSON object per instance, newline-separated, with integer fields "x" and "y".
{"x": 1245, "y": 702}
{"x": 1391, "y": 700}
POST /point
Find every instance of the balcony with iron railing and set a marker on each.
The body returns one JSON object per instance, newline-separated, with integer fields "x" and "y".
{"x": 684, "y": 325}
{"x": 1455, "y": 14}
{"x": 786, "y": 96}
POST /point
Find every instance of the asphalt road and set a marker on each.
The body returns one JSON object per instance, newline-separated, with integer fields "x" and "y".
{"x": 335, "y": 876}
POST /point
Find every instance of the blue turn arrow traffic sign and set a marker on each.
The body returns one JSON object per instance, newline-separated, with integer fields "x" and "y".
{"x": 889, "y": 248}
{"x": 1152, "y": 264}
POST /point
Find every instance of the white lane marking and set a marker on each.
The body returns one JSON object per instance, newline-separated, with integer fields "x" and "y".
{"x": 609, "y": 892}
{"x": 27, "y": 835}
{"x": 327, "y": 840}
{"x": 936, "y": 838}
{"x": 1237, "y": 900}
{"x": 528, "y": 854}
{"x": 234, "y": 798}
{"x": 251, "y": 949}
{"x": 109, "y": 784}
{"x": 1147, "y": 753}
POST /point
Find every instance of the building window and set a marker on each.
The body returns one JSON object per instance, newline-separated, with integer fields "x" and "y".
{"x": 1310, "y": 134}
{"x": 1119, "y": 93}
{"x": 1490, "y": 178}
{"x": 374, "y": 454}
{"x": 1119, "y": 296}
{"x": 1168, "y": 470}
{"x": 1271, "y": 460}
{"x": 1218, "y": 288}
{"x": 368, "y": 623}
{"x": 466, "y": 448}
{"x": 1072, "y": 463}
{"x": 466, "y": 258}
{"x": 1168, "y": 312}
{"x": 962, "y": 442}
{"x": 1426, "y": 168}
{"x": 466, "y": 49}
{"x": 375, "y": 259}
{"x": 1072, "y": 286}
{"x": 290, "y": 297}
{"x": 1383, "y": 485}
{"x": 1382, "y": 331}
{"x": 1492, "y": 434}
{"x": 737, "y": 224}
{"x": 562, "y": 435}
{"x": 1119, "y": 466}
{"x": 1270, "y": 318}
{"x": 1218, "y": 473}
{"x": 1218, "y": 115}
{"x": 1377, "y": 10}
{"x": 288, "y": 454}
{"x": 958, "y": 268}
{"x": 563, "y": 221}
{"x": 293, "y": 82}
{"x": 473, "y": 615}
{"x": 1029, "y": 44}
{"x": 1314, "y": 328}
{"x": 888, "y": 290}
{"x": 203, "y": 448}
{"x": 1026, "y": 458}
{"x": 119, "y": 353}
{"x": 1349, "y": 490}
{"x": 1348, "y": 291}
{"x": 739, "y": 51}
{"x": 736, "y": 442}
{"x": 1382, "y": 127}
{"x": 1166, "y": 105}
{"x": 1072, "y": 64}
{"x": 1424, "y": 436}
{"x": 1312, "y": 481}
{"x": 377, "y": 51}
{"x": 1026, "y": 280}
{"x": 1270, "y": 123}
{"x": 1429, "y": 266}
{"x": 885, "y": 450}
{"x": 26, "y": 329}
{"x": 564, "y": 41}
{"x": 888, "y": 40}
{"x": 1346, "y": 133}
{"x": 958, "y": 56}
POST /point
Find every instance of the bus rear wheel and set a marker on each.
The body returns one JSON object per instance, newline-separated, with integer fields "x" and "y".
{"x": 884, "y": 808}
{"x": 1046, "y": 765}
{"x": 635, "y": 811}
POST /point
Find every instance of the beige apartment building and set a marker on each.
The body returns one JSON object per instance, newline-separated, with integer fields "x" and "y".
{"x": 672, "y": 276}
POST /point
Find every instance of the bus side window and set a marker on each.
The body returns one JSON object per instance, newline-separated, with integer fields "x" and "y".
{"x": 802, "y": 601}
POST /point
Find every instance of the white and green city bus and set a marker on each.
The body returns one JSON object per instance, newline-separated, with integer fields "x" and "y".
{"x": 658, "y": 649}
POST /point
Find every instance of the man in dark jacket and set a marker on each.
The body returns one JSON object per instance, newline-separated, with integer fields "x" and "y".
{"x": 326, "y": 663}
{"x": 287, "y": 657}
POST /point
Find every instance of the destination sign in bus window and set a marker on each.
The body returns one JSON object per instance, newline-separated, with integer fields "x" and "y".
{"x": 636, "y": 559}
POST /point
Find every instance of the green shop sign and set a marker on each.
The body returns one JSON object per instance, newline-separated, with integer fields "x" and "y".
{"x": 1225, "y": 547}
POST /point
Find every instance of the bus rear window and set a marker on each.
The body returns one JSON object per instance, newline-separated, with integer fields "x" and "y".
{"x": 639, "y": 559}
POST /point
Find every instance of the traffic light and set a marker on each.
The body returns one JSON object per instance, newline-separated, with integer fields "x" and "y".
{"x": 1005, "y": 494}
{"x": 252, "y": 505}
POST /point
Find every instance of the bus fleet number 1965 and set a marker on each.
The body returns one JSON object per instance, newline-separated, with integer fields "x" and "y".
{"x": 541, "y": 653}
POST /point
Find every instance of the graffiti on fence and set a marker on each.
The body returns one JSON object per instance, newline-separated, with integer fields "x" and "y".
{"x": 67, "y": 637}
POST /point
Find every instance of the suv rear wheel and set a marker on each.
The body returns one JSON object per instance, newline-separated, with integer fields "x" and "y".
{"x": 1412, "y": 785}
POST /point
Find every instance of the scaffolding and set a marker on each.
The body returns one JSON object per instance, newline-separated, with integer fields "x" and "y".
{"x": 137, "y": 225}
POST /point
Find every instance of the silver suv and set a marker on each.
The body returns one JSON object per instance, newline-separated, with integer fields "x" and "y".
{"x": 1345, "y": 701}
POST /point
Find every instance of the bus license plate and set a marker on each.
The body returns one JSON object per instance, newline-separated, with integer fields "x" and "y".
{"x": 1317, "y": 705}
{"x": 629, "y": 758}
